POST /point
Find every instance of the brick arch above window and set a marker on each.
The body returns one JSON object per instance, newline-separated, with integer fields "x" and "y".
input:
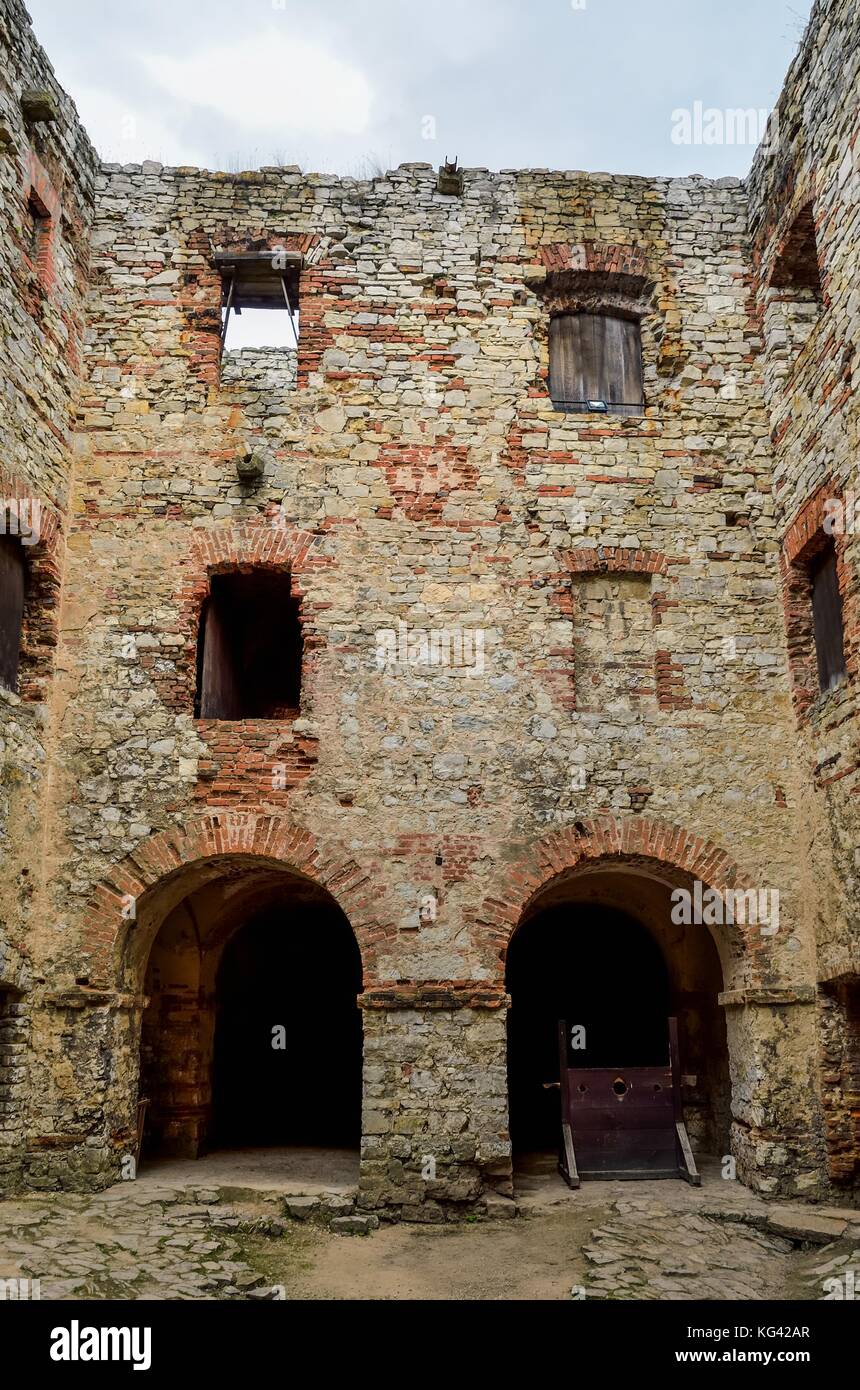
{"x": 602, "y": 257}
{"x": 614, "y": 559}
{"x": 596, "y": 277}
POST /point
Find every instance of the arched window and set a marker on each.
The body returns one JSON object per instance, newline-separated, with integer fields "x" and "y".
{"x": 595, "y": 364}
{"x": 13, "y": 579}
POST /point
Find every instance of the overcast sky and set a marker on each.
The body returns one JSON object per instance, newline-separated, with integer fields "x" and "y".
{"x": 353, "y": 85}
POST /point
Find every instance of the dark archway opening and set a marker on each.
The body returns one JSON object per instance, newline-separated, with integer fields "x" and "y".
{"x": 252, "y": 1036}
{"x": 598, "y": 969}
{"x": 287, "y": 1058}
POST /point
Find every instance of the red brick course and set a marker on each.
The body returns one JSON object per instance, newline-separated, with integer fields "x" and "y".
{"x": 602, "y": 839}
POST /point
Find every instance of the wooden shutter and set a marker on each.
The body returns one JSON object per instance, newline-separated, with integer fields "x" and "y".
{"x": 827, "y": 619}
{"x": 595, "y": 357}
{"x": 219, "y": 693}
{"x": 12, "y": 584}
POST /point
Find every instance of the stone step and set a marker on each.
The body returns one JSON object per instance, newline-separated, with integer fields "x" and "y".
{"x": 354, "y": 1225}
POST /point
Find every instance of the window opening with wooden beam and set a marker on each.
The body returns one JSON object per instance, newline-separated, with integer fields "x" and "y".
{"x": 259, "y": 299}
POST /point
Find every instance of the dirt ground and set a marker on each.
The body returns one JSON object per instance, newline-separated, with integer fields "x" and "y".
{"x": 265, "y": 1227}
{"x": 536, "y": 1259}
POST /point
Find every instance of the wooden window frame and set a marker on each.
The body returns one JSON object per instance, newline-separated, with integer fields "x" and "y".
{"x": 602, "y": 399}
{"x": 252, "y": 280}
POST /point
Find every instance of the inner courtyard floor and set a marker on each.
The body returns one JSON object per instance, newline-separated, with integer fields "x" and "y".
{"x": 276, "y": 1225}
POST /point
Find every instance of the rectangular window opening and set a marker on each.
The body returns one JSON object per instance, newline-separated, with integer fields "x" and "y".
{"x": 595, "y": 364}
{"x": 249, "y": 653}
{"x": 37, "y": 227}
{"x": 260, "y": 301}
{"x": 795, "y": 297}
{"x": 13, "y": 585}
{"x": 796, "y": 267}
{"x": 827, "y": 619}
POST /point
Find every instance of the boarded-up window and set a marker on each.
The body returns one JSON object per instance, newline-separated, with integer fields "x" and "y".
{"x": 595, "y": 362}
{"x": 12, "y": 586}
{"x": 614, "y": 644}
{"x": 827, "y": 618}
{"x": 249, "y": 653}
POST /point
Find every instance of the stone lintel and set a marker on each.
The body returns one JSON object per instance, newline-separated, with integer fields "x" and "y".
{"x": 775, "y": 996}
{"x": 89, "y": 997}
{"x": 434, "y": 994}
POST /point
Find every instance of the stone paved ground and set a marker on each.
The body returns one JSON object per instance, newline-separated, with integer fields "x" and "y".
{"x": 658, "y": 1241}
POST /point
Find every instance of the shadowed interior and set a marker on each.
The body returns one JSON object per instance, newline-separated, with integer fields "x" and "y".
{"x": 602, "y": 953}
{"x": 252, "y": 1035}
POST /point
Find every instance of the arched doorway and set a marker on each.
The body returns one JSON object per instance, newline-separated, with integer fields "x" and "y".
{"x": 287, "y": 1054}
{"x": 599, "y": 949}
{"x": 251, "y": 1037}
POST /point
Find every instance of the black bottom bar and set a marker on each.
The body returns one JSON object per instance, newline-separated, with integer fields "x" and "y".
{"x": 256, "y": 1339}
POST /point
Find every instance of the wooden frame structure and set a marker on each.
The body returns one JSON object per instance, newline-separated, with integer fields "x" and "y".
{"x": 259, "y": 280}
{"x": 623, "y": 1122}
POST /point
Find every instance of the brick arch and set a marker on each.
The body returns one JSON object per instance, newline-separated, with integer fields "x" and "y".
{"x": 596, "y": 257}
{"x": 612, "y": 840}
{"x": 613, "y": 559}
{"x": 266, "y": 839}
{"x": 595, "y": 277}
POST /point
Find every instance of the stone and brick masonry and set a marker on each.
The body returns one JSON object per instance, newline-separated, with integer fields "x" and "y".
{"x": 416, "y": 473}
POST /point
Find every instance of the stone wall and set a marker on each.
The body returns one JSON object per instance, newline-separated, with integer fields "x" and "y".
{"x": 418, "y": 475}
{"x": 814, "y": 173}
{"x": 435, "y": 1106}
{"x": 425, "y": 496}
{"x": 46, "y": 164}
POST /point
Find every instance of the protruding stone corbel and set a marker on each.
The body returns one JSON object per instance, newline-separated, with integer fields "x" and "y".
{"x": 251, "y": 462}
{"x": 39, "y": 104}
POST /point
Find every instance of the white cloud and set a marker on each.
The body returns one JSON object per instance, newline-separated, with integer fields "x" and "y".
{"x": 123, "y": 133}
{"x": 272, "y": 83}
